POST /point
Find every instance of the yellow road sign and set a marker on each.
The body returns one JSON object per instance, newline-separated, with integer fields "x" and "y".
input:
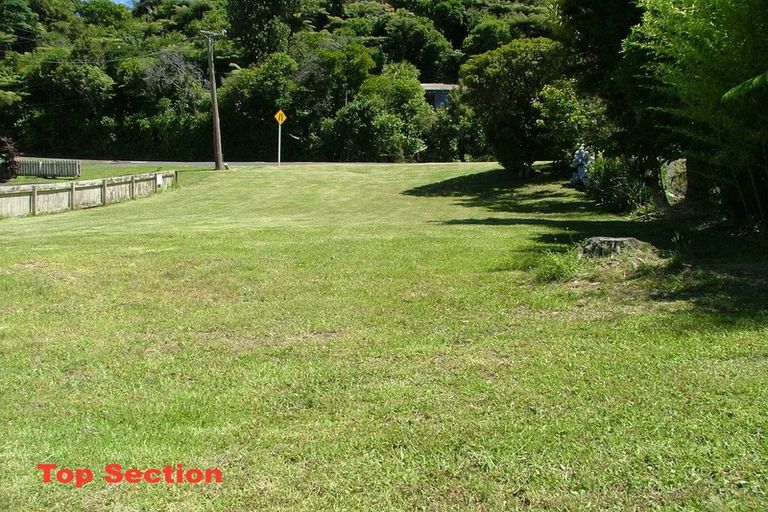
{"x": 280, "y": 117}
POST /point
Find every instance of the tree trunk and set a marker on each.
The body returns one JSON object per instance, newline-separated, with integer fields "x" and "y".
{"x": 697, "y": 190}
{"x": 659, "y": 197}
{"x": 651, "y": 172}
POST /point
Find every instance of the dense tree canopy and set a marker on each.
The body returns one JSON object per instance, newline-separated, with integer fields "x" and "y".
{"x": 94, "y": 78}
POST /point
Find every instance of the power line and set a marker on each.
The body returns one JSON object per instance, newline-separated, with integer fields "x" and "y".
{"x": 106, "y": 61}
{"x": 94, "y": 62}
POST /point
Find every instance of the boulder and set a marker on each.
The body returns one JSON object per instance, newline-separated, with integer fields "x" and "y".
{"x": 602, "y": 246}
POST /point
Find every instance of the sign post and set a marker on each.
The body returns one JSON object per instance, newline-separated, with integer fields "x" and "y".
{"x": 280, "y": 117}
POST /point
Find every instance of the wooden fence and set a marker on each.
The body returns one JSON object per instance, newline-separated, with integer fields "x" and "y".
{"x": 49, "y": 168}
{"x": 21, "y": 200}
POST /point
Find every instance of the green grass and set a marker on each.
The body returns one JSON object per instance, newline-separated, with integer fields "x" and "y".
{"x": 375, "y": 338}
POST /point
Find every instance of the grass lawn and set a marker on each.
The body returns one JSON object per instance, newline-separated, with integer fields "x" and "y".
{"x": 375, "y": 338}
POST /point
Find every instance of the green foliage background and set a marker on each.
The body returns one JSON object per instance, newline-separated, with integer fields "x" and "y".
{"x": 97, "y": 79}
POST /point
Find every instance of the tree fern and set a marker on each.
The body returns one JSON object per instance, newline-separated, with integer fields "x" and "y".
{"x": 747, "y": 88}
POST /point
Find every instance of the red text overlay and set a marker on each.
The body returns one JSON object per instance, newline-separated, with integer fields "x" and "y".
{"x": 115, "y": 474}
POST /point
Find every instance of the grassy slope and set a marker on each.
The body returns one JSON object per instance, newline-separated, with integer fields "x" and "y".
{"x": 366, "y": 338}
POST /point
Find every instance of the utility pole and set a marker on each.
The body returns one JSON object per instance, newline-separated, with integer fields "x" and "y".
{"x": 209, "y": 36}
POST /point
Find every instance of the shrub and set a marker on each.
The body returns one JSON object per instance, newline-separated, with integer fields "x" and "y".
{"x": 9, "y": 165}
{"x": 553, "y": 267}
{"x": 363, "y": 131}
{"x": 442, "y": 139}
{"x": 614, "y": 184}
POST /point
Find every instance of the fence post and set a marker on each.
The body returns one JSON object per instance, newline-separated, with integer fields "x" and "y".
{"x": 34, "y": 199}
{"x": 72, "y": 196}
{"x": 133, "y": 186}
{"x": 104, "y": 192}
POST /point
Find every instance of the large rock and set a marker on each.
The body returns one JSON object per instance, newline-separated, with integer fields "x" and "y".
{"x": 605, "y": 246}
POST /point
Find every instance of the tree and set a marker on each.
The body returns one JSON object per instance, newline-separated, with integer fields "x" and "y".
{"x": 17, "y": 26}
{"x": 399, "y": 92}
{"x": 70, "y": 107}
{"x": 452, "y": 19}
{"x": 442, "y": 139}
{"x": 103, "y": 12}
{"x": 594, "y": 31}
{"x": 502, "y": 87}
{"x": 488, "y": 35}
{"x": 416, "y": 40}
{"x": 568, "y": 119}
{"x": 55, "y": 14}
{"x": 173, "y": 76}
{"x": 388, "y": 120}
{"x": 720, "y": 117}
{"x": 331, "y": 69}
{"x": 263, "y": 26}
{"x": 91, "y": 78}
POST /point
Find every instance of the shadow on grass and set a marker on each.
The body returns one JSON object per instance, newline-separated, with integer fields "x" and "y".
{"x": 499, "y": 191}
{"x": 547, "y": 204}
{"x": 569, "y": 232}
{"x": 726, "y": 276}
{"x": 728, "y": 291}
{"x": 545, "y": 201}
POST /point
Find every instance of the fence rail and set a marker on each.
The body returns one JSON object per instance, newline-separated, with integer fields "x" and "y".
{"x": 49, "y": 168}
